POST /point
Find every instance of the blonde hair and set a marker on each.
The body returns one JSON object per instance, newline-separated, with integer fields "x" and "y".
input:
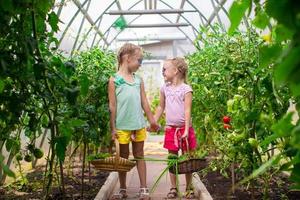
{"x": 127, "y": 48}
{"x": 181, "y": 66}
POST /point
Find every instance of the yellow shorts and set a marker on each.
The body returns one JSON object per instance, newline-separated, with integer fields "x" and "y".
{"x": 124, "y": 136}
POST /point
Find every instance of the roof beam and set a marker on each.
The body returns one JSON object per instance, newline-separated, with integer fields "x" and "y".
{"x": 148, "y": 12}
{"x": 215, "y": 12}
{"x": 181, "y": 7}
{"x": 89, "y": 19}
{"x": 156, "y": 25}
{"x": 152, "y": 39}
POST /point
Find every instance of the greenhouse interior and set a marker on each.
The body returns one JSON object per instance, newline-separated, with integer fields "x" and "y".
{"x": 150, "y": 99}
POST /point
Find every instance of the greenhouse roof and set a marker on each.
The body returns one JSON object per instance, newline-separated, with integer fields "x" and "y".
{"x": 109, "y": 23}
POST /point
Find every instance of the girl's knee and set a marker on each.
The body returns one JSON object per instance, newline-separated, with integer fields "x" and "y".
{"x": 138, "y": 154}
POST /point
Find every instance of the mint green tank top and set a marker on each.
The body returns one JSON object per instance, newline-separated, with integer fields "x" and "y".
{"x": 129, "y": 114}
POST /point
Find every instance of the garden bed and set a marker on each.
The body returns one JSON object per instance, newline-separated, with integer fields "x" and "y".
{"x": 219, "y": 188}
{"x": 33, "y": 189}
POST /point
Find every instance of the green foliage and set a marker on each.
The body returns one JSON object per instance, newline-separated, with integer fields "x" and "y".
{"x": 98, "y": 156}
{"x": 228, "y": 80}
{"x": 282, "y": 54}
{"x": 40, "y": 89}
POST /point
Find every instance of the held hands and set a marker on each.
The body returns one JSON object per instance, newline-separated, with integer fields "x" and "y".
{"x": 154, "y": 127}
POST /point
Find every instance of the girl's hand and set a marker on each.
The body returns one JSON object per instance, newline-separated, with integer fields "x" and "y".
{"x": 154, "y": 127}
{"x": 185, "y": 134}
{"x": 114, "y": 135}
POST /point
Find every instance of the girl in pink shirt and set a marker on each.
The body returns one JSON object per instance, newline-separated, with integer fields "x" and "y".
{"x": 176, "y": 100}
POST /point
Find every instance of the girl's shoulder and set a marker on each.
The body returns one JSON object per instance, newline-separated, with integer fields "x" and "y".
{"x": 186, "y": 88}
{"x": 138, "y": 79}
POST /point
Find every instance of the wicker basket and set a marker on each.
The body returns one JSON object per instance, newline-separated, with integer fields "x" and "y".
{"x": 114, "y": 163}
{"x": 189, "y": 166}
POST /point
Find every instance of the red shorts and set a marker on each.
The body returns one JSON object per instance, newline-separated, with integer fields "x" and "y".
{"x": 174, "y": 142}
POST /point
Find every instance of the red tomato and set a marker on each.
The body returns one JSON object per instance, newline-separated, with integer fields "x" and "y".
{"x": 227, "y": 126}
{"x": 226, "y": 119}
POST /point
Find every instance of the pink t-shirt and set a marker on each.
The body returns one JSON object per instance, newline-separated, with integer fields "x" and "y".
{"x": 174, "y": 103}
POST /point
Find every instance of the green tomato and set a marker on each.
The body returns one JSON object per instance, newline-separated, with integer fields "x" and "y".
{"x": 28, "y": 158}
{"x": 253, "y": 142}
{"x": 38, "y": 153}
{"x": 19, "y": 157}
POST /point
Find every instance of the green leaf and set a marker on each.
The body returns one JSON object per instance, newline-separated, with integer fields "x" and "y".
{"x": 282, "y": 33}
{"x": 288, "y": 66}
{"x": 6, "y": 5}
{"x": 295, "y": 175}
{"x": 61, "y": 146}
{"x": 282, "y": 128}
{"x": 268, "y": 54}
{"x": 295, "y": 187}
{"x": 263, "y": 168}
{"x": 261, "y": 20}
{"x": 75, "y": 122}
{"x": 2, "y": 85}
{"x": 295, "y": 88}
{"x": 236, "y": 13}
{"x": 295, "y": 140}
{"x": 84, "y": 83}
{"x": 282, "y": 11}
{"x": 7, "y": 171}
{"x": 53, "y": 21}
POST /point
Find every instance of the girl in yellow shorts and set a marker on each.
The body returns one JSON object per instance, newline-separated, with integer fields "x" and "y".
{"x": 127, "y": 101}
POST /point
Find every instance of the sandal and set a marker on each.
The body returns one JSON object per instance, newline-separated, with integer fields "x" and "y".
{"x": 190, "y": 194}
{"x": 173, "y": 193}
{"x": 144, "y": 194}
{"x": 121, "y": 194}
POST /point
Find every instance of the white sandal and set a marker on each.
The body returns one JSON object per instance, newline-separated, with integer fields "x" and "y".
{"x": 144, "y": 194}
{"x": 121, "y": 194}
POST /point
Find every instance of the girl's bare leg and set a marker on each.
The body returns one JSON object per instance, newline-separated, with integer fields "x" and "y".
{"x": 188, "y": 178}
{"x": 124, "y": 153}
{"x": 173, "y": 176}
{"x": 138, "y": 153}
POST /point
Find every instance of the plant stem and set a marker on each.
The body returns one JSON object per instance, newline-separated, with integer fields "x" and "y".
{"x": 83, "y": 165}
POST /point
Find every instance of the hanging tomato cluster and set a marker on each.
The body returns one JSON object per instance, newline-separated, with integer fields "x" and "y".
{"x": 226, "y": 121}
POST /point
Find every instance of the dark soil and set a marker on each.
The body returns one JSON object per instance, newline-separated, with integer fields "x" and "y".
{"x": 33, "y": 189}
{"x": 219, "y": 187}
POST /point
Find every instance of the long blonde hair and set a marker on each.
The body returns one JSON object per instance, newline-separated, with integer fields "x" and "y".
{"x": 181, "y": 66}
{"x": 127, "y": 48}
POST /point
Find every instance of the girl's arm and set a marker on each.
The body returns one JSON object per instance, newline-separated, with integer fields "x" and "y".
{"x": 146, "y": 107}
{"x": 112, "y": 106}
{"x": 187, "y": 112}
{"x": 160, "y": 109}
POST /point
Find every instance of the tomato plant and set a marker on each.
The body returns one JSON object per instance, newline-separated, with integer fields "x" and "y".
{"x": 227, "y": 81}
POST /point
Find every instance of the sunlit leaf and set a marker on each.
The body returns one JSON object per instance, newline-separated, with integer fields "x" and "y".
{"x": 261, "y": 20}
{"x": 53, "y": 21}
{"x": 236, "y": 13}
